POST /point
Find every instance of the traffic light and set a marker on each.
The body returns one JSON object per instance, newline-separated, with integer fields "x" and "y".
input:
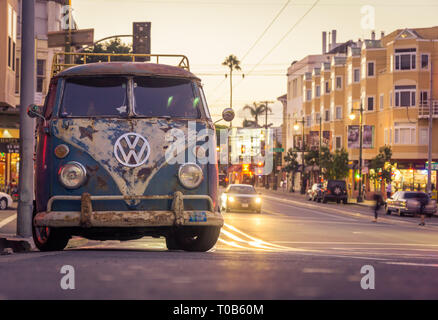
{"x": 141, "y": 39}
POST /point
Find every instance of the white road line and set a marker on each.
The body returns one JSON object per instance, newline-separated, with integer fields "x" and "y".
{"x": 8, "y": 220}
{"x": 434, "y": 265}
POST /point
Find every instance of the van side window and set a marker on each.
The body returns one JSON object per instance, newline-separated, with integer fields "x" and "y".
{"x": 50, "y": 99}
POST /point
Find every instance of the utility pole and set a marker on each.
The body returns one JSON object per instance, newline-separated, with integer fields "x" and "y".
{"x": 429, "y": 151}
{"x": 27, "y": 124}
{"x": 68, "y": 40}
{"x": 266, "y": 137}
{"x": 320, "y": 143}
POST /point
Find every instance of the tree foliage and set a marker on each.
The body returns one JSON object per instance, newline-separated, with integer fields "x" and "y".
{"x": 257, "y": 110}
{"x": 382, "y": 165}
{"x": 291, "y": 164}
{"x": 334, "y": 165}
{"x": 110, "y": 46}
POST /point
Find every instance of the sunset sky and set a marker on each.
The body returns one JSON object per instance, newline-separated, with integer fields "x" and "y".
{"x": 207, "y": 31}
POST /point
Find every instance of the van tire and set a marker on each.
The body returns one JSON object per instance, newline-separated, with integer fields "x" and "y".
{"x": 198, "y": 239}
{"x": 55, "y": 239}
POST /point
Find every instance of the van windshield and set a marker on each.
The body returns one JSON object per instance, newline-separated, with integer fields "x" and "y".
{"x": 95, "y": 96}
{"x": 165, "y": 97}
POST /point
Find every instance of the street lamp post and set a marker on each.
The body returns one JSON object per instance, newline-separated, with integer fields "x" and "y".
{"x": 352, "y": 116}
{"x": 302, "y": 153}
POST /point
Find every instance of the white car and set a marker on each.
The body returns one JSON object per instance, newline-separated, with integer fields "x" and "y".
{"x": 5, "y": 201}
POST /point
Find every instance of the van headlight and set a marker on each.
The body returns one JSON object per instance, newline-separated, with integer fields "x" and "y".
{"x": 72, "y": 175}
{"x": 190, "y": 175}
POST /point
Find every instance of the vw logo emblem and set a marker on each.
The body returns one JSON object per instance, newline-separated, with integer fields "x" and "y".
{"x": 132, "y": 149}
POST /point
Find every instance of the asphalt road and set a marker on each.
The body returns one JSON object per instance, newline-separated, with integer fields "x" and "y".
{"x": 294, "y": 249}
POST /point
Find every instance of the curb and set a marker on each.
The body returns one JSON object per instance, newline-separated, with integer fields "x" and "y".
{"x": 15, "y": 244}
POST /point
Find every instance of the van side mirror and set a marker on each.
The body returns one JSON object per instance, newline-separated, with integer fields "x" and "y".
{"x": 228, "y": 114}
{"x": 34, "y": 111}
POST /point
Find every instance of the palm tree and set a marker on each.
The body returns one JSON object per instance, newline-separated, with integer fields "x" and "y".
{"x": 257, "y": 110}
{"x": 234, "y": 64}
{"x": 249, "y": 124}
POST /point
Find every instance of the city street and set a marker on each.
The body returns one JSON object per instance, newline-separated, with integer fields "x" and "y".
{"x": 294, "y": 249}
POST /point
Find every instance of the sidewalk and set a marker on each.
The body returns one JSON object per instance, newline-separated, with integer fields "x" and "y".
{"x": 298, "y": 196}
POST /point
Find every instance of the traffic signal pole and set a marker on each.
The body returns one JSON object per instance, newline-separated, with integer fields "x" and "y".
{"x": 27, "y": 124}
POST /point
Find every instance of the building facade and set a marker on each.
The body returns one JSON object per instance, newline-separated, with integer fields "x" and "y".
{"x": 48, "y": 16}
{"x": 394, "y": 79}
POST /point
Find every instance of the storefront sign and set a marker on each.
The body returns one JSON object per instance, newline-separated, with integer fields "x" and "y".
{"x": 9, "y": 145}
{"x": 434, "y": 165}
{"x": 354, "y": 135}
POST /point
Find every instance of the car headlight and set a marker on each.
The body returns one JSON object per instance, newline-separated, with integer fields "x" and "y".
{"x": 72, "y": 175}
{"x": 190, "y": 175}
{"x": 258, "y": 200}
{"x": 231, "y": 199}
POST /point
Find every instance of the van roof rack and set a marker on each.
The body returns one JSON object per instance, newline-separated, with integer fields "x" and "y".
{"x": 64, "y": 60}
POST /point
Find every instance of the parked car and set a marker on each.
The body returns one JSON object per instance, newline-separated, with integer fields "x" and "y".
{"x": 315, "y": 192}
{"x": 241, "y": 197}
{"x": 5, "y": 201}
{"x": 223, "y": 179}
{"x": 334, "y": 190}
{"x": 410, "y": 202}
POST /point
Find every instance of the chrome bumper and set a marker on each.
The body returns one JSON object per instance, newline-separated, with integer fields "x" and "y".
{"x": 88, "y": 218}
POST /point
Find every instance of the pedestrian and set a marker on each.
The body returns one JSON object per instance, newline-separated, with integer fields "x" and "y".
{"x": 379, "y": 201}
{"x": 388, "y": 190}
{"x": 423, "y": 202}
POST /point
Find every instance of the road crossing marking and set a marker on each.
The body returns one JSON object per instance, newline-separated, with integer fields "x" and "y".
{"x": 8, "y": 220}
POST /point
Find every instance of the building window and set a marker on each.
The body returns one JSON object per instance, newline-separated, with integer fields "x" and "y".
{"x": 381, "y": 102}
{"x": 356, "y": 76}
{"x": 309, "y": 95}
{"x": 338, "y": 142}
{"x": 318, "y": 91}
{"x": 423, "y": 137}
{"x": 338, "y": 113}
{"x": 41, "y": 75}
{"x": 404, "y": 134}
{"x": 370, "y": 69}
{"x": 424, "y": 61}
{"x": 327, "y": 87}
{"x": 327, "y": 115}
{"x": 423, "y": 97}
{"x": 308, "y": 121}
{"x": 405, "y": 59}
{"x": 370, "y": 103}
{"x": 9, "y": 51}
{"x": 12, "y": 36}
{"x": 405, "y": 96}
{"x": 338, "y": 82}
{"x": 17, "y": 76}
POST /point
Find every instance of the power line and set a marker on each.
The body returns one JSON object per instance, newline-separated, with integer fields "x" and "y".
{"x": 266, "y": 29}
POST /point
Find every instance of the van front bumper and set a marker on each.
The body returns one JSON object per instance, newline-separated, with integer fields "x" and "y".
{"x": 88, "y": 218}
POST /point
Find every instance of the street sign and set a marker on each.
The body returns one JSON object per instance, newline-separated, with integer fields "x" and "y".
{"x": 277, "y": 149}
{"x": 141, "y": 41}
{"x": 78, "y": 37}
{"x": 434, "y": 165}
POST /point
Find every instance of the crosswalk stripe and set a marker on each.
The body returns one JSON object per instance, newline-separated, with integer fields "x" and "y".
{"x": 8, "y": 220}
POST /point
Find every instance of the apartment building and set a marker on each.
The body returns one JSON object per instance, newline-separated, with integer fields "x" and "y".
{"x": 47, "y": 18}
{"x": 393, "y": 79}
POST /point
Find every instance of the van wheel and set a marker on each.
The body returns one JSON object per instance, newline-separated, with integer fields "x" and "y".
{"x": 49, "y": 239}
{"x": 193, "y": 238}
